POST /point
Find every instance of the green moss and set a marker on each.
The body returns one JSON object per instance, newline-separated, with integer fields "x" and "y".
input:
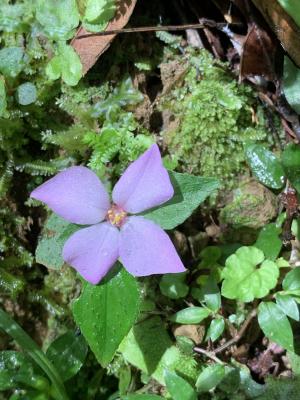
{"x": 212, "y": 117}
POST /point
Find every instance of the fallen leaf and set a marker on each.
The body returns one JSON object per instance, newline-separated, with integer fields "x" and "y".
{"x": 90, "y": 48}
{"x": 282, "y": 25}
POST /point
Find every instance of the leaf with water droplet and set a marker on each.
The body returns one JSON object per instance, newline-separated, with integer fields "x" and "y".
{"x": 265, "y": 165}
{"x": 106, "y": 312}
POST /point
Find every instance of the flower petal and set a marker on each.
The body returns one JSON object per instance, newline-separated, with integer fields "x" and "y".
{"x": 93, "y": 251}
{"x": 76, "y": 195}
{"x": 145, "y": 249}
{"x": 144, "y": 184}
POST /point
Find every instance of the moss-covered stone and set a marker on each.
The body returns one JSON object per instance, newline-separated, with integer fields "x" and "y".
{"x": 252, "y": 207}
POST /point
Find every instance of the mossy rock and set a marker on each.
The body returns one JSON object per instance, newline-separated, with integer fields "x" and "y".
{"x": 253, "y": 207}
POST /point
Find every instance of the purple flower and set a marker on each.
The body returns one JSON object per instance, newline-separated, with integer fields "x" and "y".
{"x": 78, "y": 196}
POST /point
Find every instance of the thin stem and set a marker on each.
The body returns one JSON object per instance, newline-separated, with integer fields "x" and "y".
{"x": 204, "y": 24}
{"x": 208, "y": 354}
{"x": 239, "y": 334}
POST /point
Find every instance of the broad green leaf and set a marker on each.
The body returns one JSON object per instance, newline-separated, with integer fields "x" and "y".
{"x": 149, "y": 348}
{"x": 67, "y": 353}
{"x": 3, "y": 101}
{"x": 55, "y": 234}
{"x": 291, "y": 281}
{"x": 288, "y": 305}
{"x": 11, "y": 17}
{"x": 215, "y": 330}
{"x": 292, "y": 7}
{"x": 251, "y": 388}
{"x": 264, "y": 165}
{"x": 65, "y": 64}
{"x": 15, "y": 369}
{"x": 142, "y": 397}
{"x": 179, "y": 388}
{"x": 232, "y": 380}
{"x": 106, "y": 312}
{"x": 275, "y": 325}
{"x": 173, "y": 285}
{"x": 189, "y": 192}
{"x": 291, "y": 164}
{"x": 291, "y": 83}
{"x": 210, "y": 377}
{"x": 247, "y": 276}
{"x": 98, "y": 13}
{"x": 268, "y": 241}
{"x": 8, "y": 325}
{"x": 58, "y": 18}
{"x": 26, "y": 94}
{"x": 12, "y": 61}
{"x": 210, "y": 256}
{"x": 191, "y": 315}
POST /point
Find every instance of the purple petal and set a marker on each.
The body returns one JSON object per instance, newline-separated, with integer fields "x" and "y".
{"x": 144, "y": 184}
{"x": 76, "y": 195}
{"x": 145, "y": 249}
{"x": 93, "y": 251}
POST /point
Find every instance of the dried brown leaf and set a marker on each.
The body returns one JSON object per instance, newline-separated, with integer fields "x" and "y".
{"x": 90, "y": 48}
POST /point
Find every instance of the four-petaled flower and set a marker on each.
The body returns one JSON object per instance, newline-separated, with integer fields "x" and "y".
{"x": 78, "y": 196}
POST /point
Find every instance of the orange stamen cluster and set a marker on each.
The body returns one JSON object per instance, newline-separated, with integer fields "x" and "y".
{"x": 116, "y": 216}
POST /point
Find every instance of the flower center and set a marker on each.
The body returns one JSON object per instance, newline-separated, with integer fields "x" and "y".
{"x": 116, "y": 216}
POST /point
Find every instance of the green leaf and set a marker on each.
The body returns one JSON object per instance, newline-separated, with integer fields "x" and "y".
{"x": 67, "y": 353}
{"x": 275, "y": 325}
{"x": 26, "y": 94}
{"x": 173, "y": 286}
{"x": 65, "y": 64}
{"x": 215, "y": 329}
{"x": 179, "y": 388}
{"x": 58, "y": 18}
{"x": 190, "y": 315}
{"x": 189, "y": 192}
{"x": 149, "y": 348}
{"x": 15, "y": 369}
{"x": 12, "y": 61}
{"x": 244, "y": 279}
{"x": 288, "y": 305}
{"x": 55, "y": 234}
{"x": 3, "y": 102}
{"x": 268, "y": 241}
{"x": 211, "y": 294}
{"x": 265, "y": 165}
{"x": 291, "y": 164}
{"x": 11, "y": 17}
{"x": 8, "y": 325}
{"x": 291, "y": 281}
{"x": 106, "y": 312}
{"x": 291, "y": 83}
{"x": 292, "y": 7}
{"x": 210, "y": 377}
{"x": 98, "y": 13}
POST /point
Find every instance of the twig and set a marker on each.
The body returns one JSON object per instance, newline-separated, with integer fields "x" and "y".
{"x": 203, "y": 24}
{"x": 208, "y": 354}
{"x": 239, "y": 335}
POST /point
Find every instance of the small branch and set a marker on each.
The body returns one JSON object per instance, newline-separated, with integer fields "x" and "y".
{"x": 239, "y": 335}
{"x": 208, "y": 354}
{"x": 204, "y": 24}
